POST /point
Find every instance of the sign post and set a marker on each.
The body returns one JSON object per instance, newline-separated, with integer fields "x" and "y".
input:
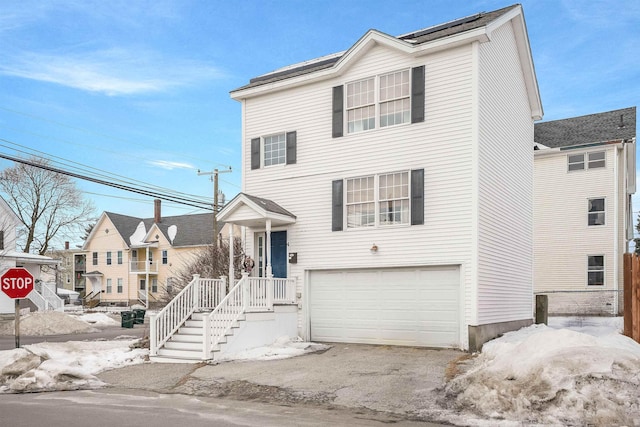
{"x": 17, "y": 283}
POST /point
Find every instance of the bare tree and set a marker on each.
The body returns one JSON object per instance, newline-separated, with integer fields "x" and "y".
{"x": 211, "y": 262}
{"x": 46, "y": 202}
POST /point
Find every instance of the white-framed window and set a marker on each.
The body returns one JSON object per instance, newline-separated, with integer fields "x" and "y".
{"x": 393, "y": 196}
{"x": 595, "y": 270}
{"x": 109, "y": 287}
{"x": 361, "y": 209}
{"x": 596, "y": 214}
{"x": 386, "y": 98}
{"x": 361, "y": 108}
{"x": 378, "y": 200}
{"x": 119, "y": 289}
{"x": 395, "y": 98}
{"x": 275, "y": 149}
{"x": 108, "y": 258}
{"x": 95, "y": 258}
{"x": 165, "y": 257}
{"x": 154, "y": 285}
{"x": 594, "y": 160}
{"x": 119, "y": 257}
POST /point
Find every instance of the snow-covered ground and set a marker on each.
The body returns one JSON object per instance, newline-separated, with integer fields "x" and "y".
{"x": 576, "y": 371}
{"x": 73, "y": 365}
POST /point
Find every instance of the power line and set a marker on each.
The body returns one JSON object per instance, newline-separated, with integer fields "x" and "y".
{"x": 90, "y": 169}
{"x": 175, "y": 199}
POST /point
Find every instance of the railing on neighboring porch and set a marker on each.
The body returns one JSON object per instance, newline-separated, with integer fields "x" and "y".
{"x": 47, "y": 300}
{"x": 197, "y": 295}
{"x": 143, "y": 267}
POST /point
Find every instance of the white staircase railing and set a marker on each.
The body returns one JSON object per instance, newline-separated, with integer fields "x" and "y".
{"x": 224, "y": 316}
{"x": 53, "y": 300}
{"x": 50, "y": 302}
{"x": 168, "y": 320}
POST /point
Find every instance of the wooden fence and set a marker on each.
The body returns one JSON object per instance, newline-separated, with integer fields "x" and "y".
{"x": 632, "y": 296}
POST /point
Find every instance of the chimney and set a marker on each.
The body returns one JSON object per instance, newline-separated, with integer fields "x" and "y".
{"x": 156, "y": 211}
{"x": 66, "y": 246}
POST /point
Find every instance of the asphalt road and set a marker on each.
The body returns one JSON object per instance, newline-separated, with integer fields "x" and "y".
{"x": 108, "y": 408}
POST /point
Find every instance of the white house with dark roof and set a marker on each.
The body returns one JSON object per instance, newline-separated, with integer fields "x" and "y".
{"x": 134, "y": 260}
{"x": 43, "y": 298}
{"x": 393, "y": 183}
{"x": 585, "y": 176}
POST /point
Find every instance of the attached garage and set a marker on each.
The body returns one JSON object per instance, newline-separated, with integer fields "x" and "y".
{"x": 418, "y": 306}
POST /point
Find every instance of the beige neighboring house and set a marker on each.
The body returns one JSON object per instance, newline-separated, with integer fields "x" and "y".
{"x": 585, "y": 176}
{"x": 132, "y": 260}
{"x": 43, "y": 298}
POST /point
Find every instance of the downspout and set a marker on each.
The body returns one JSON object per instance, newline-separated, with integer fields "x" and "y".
{"x": 616, "y": 231}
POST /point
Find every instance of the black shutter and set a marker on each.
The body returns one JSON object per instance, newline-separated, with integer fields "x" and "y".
{"x": 291, "y": 148}
{"x": 417, "y": 94}
{"x": 417, "y": 197}
{"x": 255, "y": 153}
{"x": 336, "y": 205}
{"x": 337, "y": 117}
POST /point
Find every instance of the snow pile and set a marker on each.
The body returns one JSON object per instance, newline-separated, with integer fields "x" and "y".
{"x": 283, "y": 348}
{"x": 98, "y": 319}
{"x": 47, "y": 323}
{"x": 63, "y": 366}
{"x": 552, "y": 376}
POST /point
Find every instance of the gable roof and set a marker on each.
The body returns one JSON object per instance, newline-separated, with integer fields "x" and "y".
{"x": 260, "y": 210}
{"x": 609, "y": 126}
{"x": 191, "y": 230}
{"x": 416, "y": 38}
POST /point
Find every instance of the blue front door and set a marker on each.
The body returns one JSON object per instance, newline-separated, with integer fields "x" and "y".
{"x": 279, "y": 254}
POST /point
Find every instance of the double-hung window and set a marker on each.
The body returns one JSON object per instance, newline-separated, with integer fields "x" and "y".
{"x": 165, "y": 257}
{"x": 582, "y": 161}
{"x": 109, "y": 288}
{"x": 361, "y": 108}
{"x": 395, "y": 106}
{"x": 596, "y": 214}
{"x": 395, "y": 198}
{"x": 276, "y": 149}
{"x": 119, "y": 285}
{"x": 94, "y": 256}
{"x": 108, "y": 258}
{"x": 119, "y": 257}
{"x": 385, "y": 100}
{"x": 595, "y": 270}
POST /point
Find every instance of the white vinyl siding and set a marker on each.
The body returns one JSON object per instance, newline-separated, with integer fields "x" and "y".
{"x": 563, "y": 237}
{"x": 505, "y": 180}
{"x": 448, "y": 191}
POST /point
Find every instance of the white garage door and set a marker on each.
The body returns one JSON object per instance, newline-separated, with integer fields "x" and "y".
{"x": 408, "y": 306}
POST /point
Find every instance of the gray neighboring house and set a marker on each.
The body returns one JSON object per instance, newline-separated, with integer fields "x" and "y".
{"x": 585, "y": 176}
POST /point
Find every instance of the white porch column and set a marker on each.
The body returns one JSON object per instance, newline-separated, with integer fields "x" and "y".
{"x": 268, "y": 249}
{"x": 231, "y": 254}
{"x": 146, "y": 280}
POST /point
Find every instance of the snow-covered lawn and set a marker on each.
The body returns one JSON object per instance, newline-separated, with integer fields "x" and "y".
{"x": 576, "y": 371}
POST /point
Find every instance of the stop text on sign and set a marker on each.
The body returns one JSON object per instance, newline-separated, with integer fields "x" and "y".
{"x": 16, "y": 283}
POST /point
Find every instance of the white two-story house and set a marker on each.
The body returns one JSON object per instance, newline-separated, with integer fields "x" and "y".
{"x": 394, "y": 182}
{"x": 585, "y": 176}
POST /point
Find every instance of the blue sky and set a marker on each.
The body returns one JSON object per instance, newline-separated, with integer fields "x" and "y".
{"x": 140, "y": 89}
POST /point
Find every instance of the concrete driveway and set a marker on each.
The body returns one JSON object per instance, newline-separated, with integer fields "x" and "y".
{"x": 400, "y": 381}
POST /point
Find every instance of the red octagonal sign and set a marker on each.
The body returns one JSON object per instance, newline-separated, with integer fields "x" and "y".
{"x": 16, "y": 283}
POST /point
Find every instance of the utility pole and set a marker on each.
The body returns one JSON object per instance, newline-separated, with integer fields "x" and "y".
{"x": 214, "y": 177}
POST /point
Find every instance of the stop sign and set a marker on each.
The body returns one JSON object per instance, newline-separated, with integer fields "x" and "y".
{"x": 16, "y": 283}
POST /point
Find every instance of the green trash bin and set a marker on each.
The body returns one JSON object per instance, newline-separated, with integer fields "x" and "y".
{"x": 138, "y": 316}
{"x": 127, "y": 319}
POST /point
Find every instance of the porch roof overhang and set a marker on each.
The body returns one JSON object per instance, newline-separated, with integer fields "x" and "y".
{"x": 252, "y": 211}
{"x": 28, "y": 259}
